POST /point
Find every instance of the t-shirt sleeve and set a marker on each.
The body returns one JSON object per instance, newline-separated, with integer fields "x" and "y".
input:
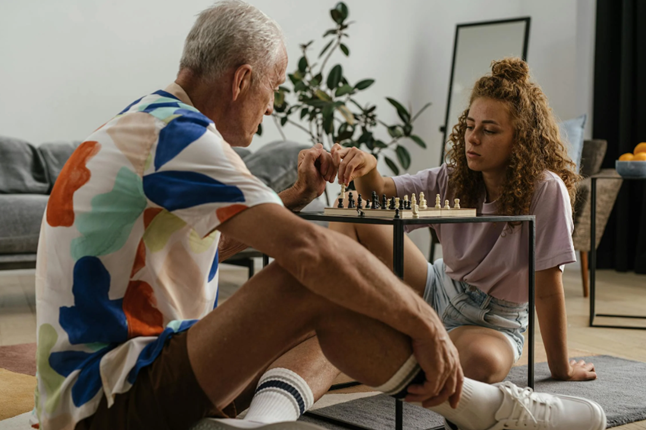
{"x": 198, "y": 177}
{"x": 554, "y": 225}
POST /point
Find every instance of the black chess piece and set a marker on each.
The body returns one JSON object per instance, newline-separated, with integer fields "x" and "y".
{"x": 392, "y": 204}
{"x": 359, "y": 201}
{"x": 340, "y": 203}
{"x": 367, "y": 204}
{"x": 384, "y": 202}
{"x": 401, "y": 205}
{"x": 408, "y": 204}
{"x": 374, "y": 200}
{"x": 351, "y": 201}
{"x": 397, "y": 213}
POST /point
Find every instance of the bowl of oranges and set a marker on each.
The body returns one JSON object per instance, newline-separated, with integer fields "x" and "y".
{"x": 633, "y": 165}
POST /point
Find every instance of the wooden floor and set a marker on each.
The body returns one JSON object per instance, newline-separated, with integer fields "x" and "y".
{"x": 616, "y": 293}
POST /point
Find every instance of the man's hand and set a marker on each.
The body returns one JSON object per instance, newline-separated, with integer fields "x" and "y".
{"x": 315, "y": 168}
{"x": 352, "y": 163}
{"x": 438, "y": 358}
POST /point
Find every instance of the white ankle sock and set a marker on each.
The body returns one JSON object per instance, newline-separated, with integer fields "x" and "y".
{"x": 281, "y": 395}
{"x": 478, "y": 404}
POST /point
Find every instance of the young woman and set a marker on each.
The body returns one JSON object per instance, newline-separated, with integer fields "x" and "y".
{"x": 506, "y": 158}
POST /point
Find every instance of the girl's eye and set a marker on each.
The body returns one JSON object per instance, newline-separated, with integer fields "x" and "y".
{"x": 490, "y": 132}
{"x": 469, "y": 127}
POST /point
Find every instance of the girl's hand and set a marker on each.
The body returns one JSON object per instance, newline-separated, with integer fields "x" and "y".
{"x": 581, "y": 371}
{"x": 352, "y": 163}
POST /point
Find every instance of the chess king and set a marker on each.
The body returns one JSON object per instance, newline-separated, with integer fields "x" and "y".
{"x": 505, "y": 158}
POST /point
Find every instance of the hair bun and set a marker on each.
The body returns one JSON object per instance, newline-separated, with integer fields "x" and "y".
{"x": 512, "y": 68}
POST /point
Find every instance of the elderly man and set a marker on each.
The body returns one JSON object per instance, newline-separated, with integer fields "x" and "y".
{"x": 140, "y": 217}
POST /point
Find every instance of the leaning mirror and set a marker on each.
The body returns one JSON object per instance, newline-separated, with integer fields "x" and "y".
{"x": 476, "y": 45}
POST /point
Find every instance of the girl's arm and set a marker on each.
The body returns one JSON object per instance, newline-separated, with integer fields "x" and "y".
{"x": 357, "y": 165}
{"x": 550, "y": 308}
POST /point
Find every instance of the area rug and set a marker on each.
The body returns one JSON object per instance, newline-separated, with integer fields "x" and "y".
{"x": 17, "y": 380}
{"x": 620, "y": 389}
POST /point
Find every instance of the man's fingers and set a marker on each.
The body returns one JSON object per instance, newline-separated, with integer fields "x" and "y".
{"x": 454, "y": 400}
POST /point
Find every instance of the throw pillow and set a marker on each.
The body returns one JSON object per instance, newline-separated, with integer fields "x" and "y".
{"x": 572, "y": 135}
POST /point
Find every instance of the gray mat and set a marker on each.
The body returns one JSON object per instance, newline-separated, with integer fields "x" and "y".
{"x": 620, "y": 388}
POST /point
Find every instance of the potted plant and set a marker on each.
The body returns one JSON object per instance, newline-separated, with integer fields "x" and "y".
{"x": 325, "y": 107}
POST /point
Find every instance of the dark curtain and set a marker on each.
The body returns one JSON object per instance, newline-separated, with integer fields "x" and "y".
{"x": 620, "y": 118}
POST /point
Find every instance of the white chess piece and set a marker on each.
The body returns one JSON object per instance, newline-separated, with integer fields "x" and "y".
{"x": 456, "y": 204}
{"x": 413, "y": 201}
{"x": 396, "y": 202}
{"x": 447, "y": 205}
{"x": 415, "y": 210}
{"x": 422, "y": 202}
{"x": 438, "y": 202}
{"x": 343, "y": 191}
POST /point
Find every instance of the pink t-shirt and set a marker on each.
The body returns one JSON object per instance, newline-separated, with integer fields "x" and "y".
{"x": 484, "y": 256}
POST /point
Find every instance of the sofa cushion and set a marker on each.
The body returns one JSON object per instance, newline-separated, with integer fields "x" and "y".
{"x": 20, "y": 219}
{"x": 55, "y": 155}
{"x": 276, "y": 164}
{"x": 593, "y": 154}
{"x": 572, "y": 135}
{"x": 22, "y": 169}
{"x": 242, "y": 152}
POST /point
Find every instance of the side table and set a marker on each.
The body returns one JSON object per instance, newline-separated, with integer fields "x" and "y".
{"x": 398, "y": 268}
{"x": 593, "y": 256}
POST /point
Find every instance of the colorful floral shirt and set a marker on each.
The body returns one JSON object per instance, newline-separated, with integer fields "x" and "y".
{"x": 128, "y": 249}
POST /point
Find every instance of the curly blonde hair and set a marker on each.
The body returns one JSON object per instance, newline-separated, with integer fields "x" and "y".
{"x": 537, "y": 146}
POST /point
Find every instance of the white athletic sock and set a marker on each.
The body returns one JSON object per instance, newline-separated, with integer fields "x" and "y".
{"x": 281, "y": 395}
{"x": 478, "y": 404}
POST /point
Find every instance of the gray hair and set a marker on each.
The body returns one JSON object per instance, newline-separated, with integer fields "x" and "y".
{"x": 229, "y": 34}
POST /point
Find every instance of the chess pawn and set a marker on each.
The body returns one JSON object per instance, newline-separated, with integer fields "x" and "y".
{"x": 422, "y": 202}
{"x": 456, "y": 204}
{"x": 396, "y": 202}
{"x": 340, "y": 206}
{"x": 390, "y": 203}
{"x": 413, "y": 201}
{"x": 406, "y": 202}
{"x": 447, "y": 205}
{"x": 415, "y": 210}
{"x": 438, "y": 202}
{"x": 397, "y": 213}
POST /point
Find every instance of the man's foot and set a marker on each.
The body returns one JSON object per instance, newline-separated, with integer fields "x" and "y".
{"x": 522, "y": 408}
{"x": 232, "y": 424}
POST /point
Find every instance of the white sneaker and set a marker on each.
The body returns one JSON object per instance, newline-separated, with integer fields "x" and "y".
{"x": 522, "y": 408}
{"x": 231, "y": 424}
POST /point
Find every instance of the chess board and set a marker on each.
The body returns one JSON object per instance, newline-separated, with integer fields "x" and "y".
{"x": 406, "y": 213}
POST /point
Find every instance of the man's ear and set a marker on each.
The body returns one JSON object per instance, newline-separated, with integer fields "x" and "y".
{"x": 241, "y": 81}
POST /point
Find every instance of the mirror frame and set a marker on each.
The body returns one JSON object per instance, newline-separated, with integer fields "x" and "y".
{"x": 527, "y": 20}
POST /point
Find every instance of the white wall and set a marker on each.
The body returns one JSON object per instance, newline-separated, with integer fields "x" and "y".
{"x": 68, "y": 66}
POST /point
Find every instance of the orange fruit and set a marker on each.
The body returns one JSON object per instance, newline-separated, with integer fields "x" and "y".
{"x": 627, "y": 157}
{"x": 640, "y": 148}
{"x": 640, "y": 156}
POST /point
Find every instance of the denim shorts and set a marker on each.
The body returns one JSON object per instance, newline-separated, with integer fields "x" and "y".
{"x": 459, "y": 304}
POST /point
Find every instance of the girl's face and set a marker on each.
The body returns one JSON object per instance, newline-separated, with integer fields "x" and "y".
{"x": 489, "y": 136}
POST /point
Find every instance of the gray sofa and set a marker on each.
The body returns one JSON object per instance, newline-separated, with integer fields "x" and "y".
{"x": 28, "y": 173}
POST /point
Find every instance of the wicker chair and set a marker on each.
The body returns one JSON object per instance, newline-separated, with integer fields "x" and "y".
{"x": 607, "y": 190}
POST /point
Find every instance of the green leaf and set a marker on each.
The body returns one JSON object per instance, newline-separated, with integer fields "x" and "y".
{"x": 380, "y": 144}
{"x": 337, "y": 16}
{"x": 300, "y": 86}
{"x": 279, "y": 98}
{"x": 283, "y": 121}
{"x": 349, "y": 117}
{"x": 362, "y": 85}
{"x": 345, "y": 50}
{"x": 316, "y": 103}
{"x": 326, "y": 48}
{"x": 284, "y": 89}
{"x": 334, "y": 77}
{"x": 401, "y": 110}
{"x": 391, "y": 165}
{"x": 408, "y": 129}
{"x": 302, "y": 65}
{"x": 307, "y": 45}
{"x": 331, "y": 31}
{"x": 343, "y": 90}
{"x": 395, "y": 131}
{"x": 343, "y": 9}
{"x": 365, "y": 136}
{"x": 304, "y": 112}
{"x": 403, "y": 156}
{"x": 259, "y": 131}
{"x": 322, "y": 95}
{"x": 418, "y": 140}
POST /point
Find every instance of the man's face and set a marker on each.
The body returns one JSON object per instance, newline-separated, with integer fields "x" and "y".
{"x": 248, "y": 111}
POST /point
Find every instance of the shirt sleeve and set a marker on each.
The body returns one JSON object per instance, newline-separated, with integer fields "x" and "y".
{"x": 197, "y": 176}
{"x": 554, "y": 224}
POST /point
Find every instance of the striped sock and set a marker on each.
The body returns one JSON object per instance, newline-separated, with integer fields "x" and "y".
{"x": 397, "y": 385}
{"x": 281, "y": 395}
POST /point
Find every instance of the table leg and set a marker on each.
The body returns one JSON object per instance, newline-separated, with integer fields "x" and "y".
{"x": 532, "y": 295}
{"x": 398, "y": 268}
{"x": 593, "y": 248}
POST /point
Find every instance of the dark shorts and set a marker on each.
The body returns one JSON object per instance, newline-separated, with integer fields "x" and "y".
{"x": 166, "y": 395}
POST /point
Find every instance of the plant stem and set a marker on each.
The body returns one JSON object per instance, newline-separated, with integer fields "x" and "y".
{"x": 280, "y": 129}
{"x": 329, "y": 54}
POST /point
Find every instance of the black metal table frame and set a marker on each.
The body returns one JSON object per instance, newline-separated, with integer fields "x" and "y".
{"x": 398, "y": 269}
{"x": 593, "y": 259}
